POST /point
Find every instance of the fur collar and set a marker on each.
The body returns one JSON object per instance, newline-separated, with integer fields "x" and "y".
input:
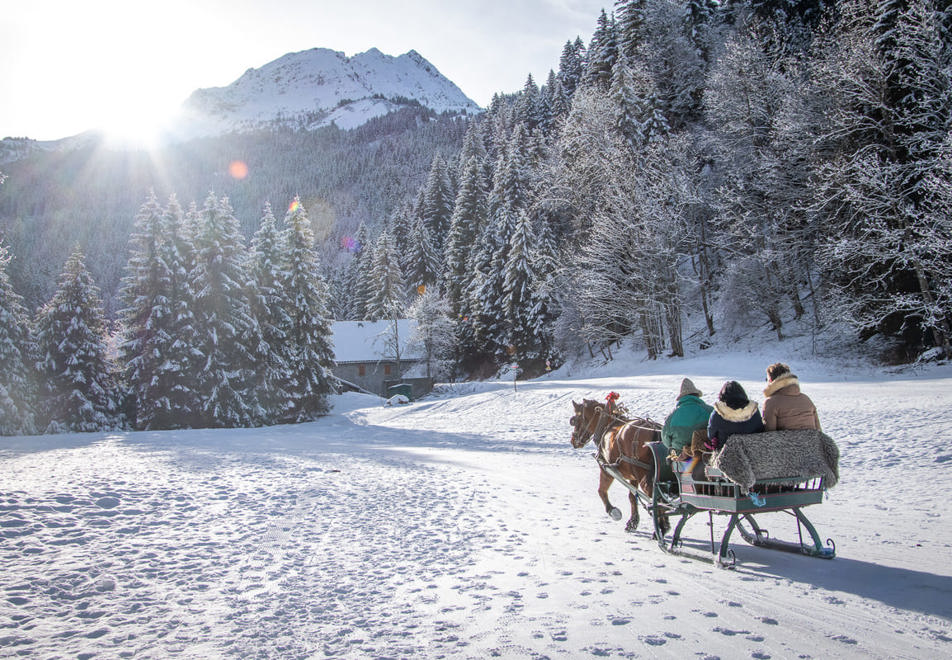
{"x": 784, "y": 381}
{"x": 735, "y": 414}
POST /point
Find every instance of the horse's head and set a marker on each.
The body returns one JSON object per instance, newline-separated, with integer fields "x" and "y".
{"x": 583, "y": 422}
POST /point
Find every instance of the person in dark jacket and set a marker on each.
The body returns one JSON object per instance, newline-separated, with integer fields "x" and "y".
{"x": 733, "y": 413}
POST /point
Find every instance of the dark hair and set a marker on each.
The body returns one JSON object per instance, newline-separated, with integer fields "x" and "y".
{"x": 733, "y": 395}
{"x": 776, "y": 370}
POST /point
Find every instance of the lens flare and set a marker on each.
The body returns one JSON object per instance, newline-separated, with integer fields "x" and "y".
{"x": 294, "y": 206}
{"x": 238, "y": 169}
{"x": 350, "y": 244}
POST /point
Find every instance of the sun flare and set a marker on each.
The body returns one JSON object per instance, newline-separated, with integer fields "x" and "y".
{"x": 140, "y": 126}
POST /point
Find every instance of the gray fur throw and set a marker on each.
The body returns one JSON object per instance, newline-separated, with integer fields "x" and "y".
{"x": 792, "y": 456}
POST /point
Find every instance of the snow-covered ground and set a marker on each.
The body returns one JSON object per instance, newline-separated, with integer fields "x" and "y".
{"x": 465, "y": 526}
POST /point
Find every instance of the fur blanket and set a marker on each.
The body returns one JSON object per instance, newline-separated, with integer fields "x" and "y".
{"x": 792, "y": 456}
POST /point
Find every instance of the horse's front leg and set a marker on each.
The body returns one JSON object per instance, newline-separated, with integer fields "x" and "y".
{"x": 604, "y": 481}
{"x": 632, "y": 524}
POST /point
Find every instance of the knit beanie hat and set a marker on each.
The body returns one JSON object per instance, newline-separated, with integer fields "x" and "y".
{"x": 687, "y": 387}
{"x": 733, "y": 395}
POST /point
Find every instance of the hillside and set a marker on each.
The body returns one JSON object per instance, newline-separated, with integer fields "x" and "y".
{"x": 53, "y": 200}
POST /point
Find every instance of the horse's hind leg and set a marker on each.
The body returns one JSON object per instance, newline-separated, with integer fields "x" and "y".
{"x": 604, "y": 481}
{"x": 632, "y": 524}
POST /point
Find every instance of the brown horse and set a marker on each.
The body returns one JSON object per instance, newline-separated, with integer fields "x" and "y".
{"x": 623, "y": 445}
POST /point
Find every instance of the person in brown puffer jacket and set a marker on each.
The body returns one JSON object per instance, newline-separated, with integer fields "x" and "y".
{"x": 785, "y": 406}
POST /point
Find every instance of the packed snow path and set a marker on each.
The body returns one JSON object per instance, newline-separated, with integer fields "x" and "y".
{"x": 465, "y": 526}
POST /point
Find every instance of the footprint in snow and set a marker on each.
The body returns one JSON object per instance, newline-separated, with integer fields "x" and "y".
{"x": 727, "y": 632}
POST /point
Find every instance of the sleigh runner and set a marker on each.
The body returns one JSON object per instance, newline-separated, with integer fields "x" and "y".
{"x": 780, "y": 471}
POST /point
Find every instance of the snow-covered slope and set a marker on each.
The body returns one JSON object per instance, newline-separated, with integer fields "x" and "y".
{"x": 465, "y": 526}
{"x": 312, "y": 88}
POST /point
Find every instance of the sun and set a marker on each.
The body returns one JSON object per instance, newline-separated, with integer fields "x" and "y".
{"x": 131, "y": 125}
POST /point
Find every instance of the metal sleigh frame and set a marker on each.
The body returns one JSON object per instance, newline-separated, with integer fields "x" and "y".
{"x": 686, "y": 494}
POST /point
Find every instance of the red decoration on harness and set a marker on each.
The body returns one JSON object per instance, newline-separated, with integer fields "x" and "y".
{"x": 611, "y": 399}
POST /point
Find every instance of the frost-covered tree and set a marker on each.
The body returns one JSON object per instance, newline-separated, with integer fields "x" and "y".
{"x": 149, "y": 326}
{"x": 469, "y": 217}
{"x": 181, "y": 357}
{"x": 423, "y": 265}
{"x": 759, "y": 205}
{"x": 512, "y": 185}
{"x": 359, "y": 274}
{"x": 310, "y": 354}
{"x": 270, "y": 305}
{"x": 631, "y": 17}
{"x": 17, "y": 391}
{"x": 572, "y": 66}
{"x": 527, "y": 305}
{"x": 433, "y": 336}
{"x": 884, "y": 142}
{"x": 226, "y": 332}
{"x": 389, "y": 294}
{"x": 486, "y": 299}
{"x": 602, "y": 53}
{"x": 77, "y": 384}
{"x": 437, "y": 202}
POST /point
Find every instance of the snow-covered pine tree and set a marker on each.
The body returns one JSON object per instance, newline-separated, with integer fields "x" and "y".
{"x": 423, "y": 265}
{"x": 77, "y": 384}
{"x": 675, "y": 65}
{"x": 469, "y": 217}
{"x": 699, "y": 21}
{"x": 529, "y": 104}
{"x": 17, "y": 386}
{"x": 182, "y": 359}
{"x": 571, "y": 66}
{"x": 525, "y": 304}
{"x": 486, "y": 297}
{"x": 632, "y": 28}
{"x": 308, "y": 344}
{"x": 388, "y": 299}
{"x": 269, "y": 305}
{"x": 511, "y": 182}
{"x": 437, "y": 206}
{"x": 225, "y": 330}
{"x": 555, "y": 104}
{"x": 602, "y": 53}
{"x": 474, "y": 146}
{"x": 359, "y": 273}
{"x": 400, "y": 226}
{"x": 148, "y": 320}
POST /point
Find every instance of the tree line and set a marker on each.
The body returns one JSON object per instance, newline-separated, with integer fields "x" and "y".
{"x": 213, "y": 334}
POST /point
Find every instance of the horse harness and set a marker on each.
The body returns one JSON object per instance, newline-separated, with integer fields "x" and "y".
{"x": 599, "y": 434}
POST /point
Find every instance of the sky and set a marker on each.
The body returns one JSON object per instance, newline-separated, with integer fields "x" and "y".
{"x": 124, "y": 65}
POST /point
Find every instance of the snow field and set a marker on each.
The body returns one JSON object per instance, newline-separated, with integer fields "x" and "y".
{"x": 465, "y": 526}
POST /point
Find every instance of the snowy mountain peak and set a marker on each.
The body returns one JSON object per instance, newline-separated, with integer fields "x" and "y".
{"x": 315, "y": 87}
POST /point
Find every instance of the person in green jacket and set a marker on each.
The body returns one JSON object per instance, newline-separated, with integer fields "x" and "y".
{"x": 690, "y": 414}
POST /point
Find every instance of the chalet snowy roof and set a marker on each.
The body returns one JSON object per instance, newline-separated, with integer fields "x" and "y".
{"x": 369, "y": 341}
